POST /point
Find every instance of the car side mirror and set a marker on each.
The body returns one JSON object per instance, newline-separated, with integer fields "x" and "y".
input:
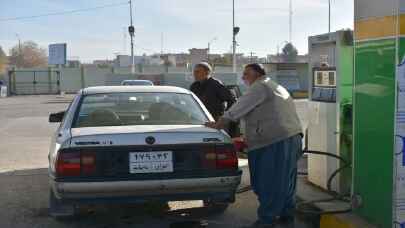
{"x": 56, "y": 117}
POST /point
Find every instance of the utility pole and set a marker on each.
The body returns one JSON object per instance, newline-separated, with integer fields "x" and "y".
{"x": 209, "y": 48}
{"x": 208, "y": 52}
{"x": 290, "y": 22}
{"x": 233, "y": 38}
{"x": 278, "y": 50}
{"x": 161, "y": 43}
{"x": 329, "y": 15}
{"x": 131, "y": 31}
{"x": 18, "y": 60}
{"x": 251, "y": 57}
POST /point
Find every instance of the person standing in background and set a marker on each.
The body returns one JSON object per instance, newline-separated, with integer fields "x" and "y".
{"x": 211, "y": 91}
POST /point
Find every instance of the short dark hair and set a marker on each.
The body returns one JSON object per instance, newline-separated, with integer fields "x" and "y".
{"x": 259, "y": 68}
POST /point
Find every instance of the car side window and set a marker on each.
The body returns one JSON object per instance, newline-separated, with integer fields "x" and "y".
{"x": 69, "y": 111}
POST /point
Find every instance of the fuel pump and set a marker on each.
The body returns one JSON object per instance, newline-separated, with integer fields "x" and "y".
{"x": 330, "y": 102}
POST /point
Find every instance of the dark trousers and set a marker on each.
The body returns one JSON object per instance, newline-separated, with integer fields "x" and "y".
{"x": 273, "y": 176}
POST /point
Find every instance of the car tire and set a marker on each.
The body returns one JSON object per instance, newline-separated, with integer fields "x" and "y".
{"x": 59, "y": 209}
{"x": 216, "y": 207}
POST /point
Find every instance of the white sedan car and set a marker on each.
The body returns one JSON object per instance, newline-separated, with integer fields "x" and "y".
{"x": 136, "y": 144}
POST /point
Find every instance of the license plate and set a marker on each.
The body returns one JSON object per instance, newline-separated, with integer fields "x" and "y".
{"x": 151, "y": 162}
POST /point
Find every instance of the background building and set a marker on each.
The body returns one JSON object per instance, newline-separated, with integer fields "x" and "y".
{"x": 126, "y": 61}
{"x": 198, "y": 55}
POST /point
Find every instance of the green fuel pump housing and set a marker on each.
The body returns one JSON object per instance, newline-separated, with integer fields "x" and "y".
{"x": 379, "y": 171}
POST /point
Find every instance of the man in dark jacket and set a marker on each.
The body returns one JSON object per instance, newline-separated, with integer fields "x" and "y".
{"x": 211, "y": 91}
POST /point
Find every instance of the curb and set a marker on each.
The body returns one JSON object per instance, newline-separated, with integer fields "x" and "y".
{"x": 343, "y": 221}
{"x": 334, "y": 221}
{"x": 307, "y": 192}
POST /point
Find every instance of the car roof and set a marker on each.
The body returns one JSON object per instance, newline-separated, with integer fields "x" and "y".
{"x": 133, "y": 89}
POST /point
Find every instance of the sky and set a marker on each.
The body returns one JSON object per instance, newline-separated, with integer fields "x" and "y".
{"x": 185, "y": 24}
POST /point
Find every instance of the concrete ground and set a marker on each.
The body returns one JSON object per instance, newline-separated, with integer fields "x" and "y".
{"x": 24, "y": 141}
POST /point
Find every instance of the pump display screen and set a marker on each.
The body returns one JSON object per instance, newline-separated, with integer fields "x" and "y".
{"x": 324, "y": 85}
{"x": 325, "y": 79}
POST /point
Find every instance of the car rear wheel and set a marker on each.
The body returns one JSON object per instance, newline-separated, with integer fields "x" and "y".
{"x": 59, "y": 209}
{"x": 216, "y": 207}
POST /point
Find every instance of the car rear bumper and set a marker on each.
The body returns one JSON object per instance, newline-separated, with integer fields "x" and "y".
{"x": 193, "y": 188}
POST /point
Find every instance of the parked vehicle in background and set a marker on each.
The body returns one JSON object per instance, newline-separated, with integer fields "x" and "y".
{"x": 137, "y": 83}
{"x": 135, "y": 144}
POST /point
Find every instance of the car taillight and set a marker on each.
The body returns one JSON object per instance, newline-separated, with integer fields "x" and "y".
{"x": 226, "y": 158}
{"x": 209, "y": 162}
{"x": 222, "y": 157}
{"x": 88, "y": 163}
{"x": 71, "y": 164}
{"x": 68, "y": 164}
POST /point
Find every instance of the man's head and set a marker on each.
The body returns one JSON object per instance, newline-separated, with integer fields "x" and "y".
{"x": 253, "y": 72}
{"x": 202, "y": 71}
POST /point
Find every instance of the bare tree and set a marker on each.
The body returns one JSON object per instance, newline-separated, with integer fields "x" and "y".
{"x": 290, "y": 53}
{"x": 3, "y": 60}
{"x": 27, "y": 55}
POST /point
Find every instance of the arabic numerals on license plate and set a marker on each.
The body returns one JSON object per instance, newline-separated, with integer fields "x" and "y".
{"x": 151, "y": 156}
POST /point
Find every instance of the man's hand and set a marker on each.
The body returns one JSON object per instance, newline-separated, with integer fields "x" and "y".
{"x": 211, "y": 125}
{"x": 216, "y": 125}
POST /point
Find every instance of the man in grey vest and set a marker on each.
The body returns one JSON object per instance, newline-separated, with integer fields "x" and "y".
{"x": 273, "y": 135}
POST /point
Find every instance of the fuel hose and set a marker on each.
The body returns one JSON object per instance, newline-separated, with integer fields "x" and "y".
{"x": 302, "y": 207}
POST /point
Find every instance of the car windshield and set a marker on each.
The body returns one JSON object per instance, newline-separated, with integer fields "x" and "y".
{"x": 123, "y": 109}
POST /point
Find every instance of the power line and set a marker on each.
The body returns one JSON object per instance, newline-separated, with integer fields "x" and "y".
{"x": 64, "y": 12}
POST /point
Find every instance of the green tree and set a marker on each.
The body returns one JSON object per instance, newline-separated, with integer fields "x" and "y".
{"x": 290, "y": 53}
{"x": 27, "y": 55}
{"x": 3, "y": 60}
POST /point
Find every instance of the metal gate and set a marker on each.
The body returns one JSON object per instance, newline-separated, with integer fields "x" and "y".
{"x": 34, "y": 82}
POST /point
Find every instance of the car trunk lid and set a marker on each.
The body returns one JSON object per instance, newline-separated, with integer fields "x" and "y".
{"x": 137, "y": 135}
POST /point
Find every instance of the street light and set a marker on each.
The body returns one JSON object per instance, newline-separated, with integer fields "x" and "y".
{"x": 235, "y": 31}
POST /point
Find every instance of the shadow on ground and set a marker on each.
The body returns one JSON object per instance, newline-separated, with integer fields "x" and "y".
{"x": 24, "y": 203}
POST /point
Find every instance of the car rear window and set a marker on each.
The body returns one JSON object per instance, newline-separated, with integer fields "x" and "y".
{"x": 135, "y": 83}
{"x": 123, "y": 109}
